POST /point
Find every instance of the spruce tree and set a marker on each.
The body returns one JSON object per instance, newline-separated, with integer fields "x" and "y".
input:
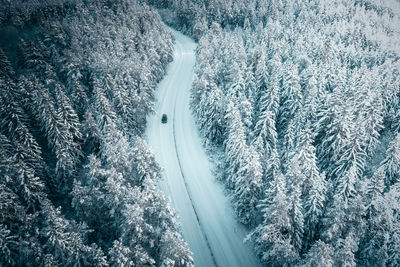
{"x": 391, "y": 163}
{"x": 248, "y": 187}
{"x": 235, "y": 145}
{"x": 319, "y": 255}
{"x": 272, "y": 237}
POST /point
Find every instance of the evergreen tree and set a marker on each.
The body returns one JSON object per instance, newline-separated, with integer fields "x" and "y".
{"x": 175, "y": 251}
{"x": 246, "y": 111}
{"x": 372, "y": 121}
{"x": 344, "y": 252}
{"x": 350, "y": 160}
{"x": 211, "y": 120}
{"x": 64, "y": 240}
{"x": 393, "y": 246}
{"x": 144, "y": 159}
{"x": 297, "y": 218}
{"x": 6, "y": 70}
{"x": 79, "y": 96}
{"x": 305, "y": 161}
{"x": 345, "y": 186}
{"x": 314, "y": 207}
{"x": 120, "y": 255}
{"x": 272, "y": 236}
{"x": 388, "y": 216}
{"x": 391, "y": 163}
{"x": 248, "y": 187}
{"x": 289, "y": 146}
{"x": 163, "y": 220}
{"x": 273, "y": 169}
{"x": 250, "y": 84}
{"x": 14, "y": 124}
{"x": 319, "y": 255}
{"x": 90, "y": 133}
{"x": 116, "y": 151}
{"x": 235, "y": 145}
{"x": 68, "y": 115}
{"x": 123, "y": 104}
{"x": 93, "y": 201}
{"x": 374, "y": 246}
{"x": 343, "y": 217}
{"x": 59, "y": 137}
{"x": 265, "y": 135}
{"x": 103, "y": 111}
{"x": 261, "y": 72}
{"x": 7, "y": 242}
{"x": 269, "y": 99}
{"x": 290, "y": 98}
{"x": 335, "y": 125}
{"x": 237, "y": 83}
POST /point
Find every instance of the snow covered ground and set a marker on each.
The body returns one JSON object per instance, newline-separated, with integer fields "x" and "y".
{"x": 207, "y": 218}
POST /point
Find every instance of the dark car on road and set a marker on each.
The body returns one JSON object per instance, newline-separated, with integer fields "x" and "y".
{"x": 164, "y": 118}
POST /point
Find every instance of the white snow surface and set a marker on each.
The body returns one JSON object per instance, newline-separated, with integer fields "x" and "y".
{"x": 205, "y": 213}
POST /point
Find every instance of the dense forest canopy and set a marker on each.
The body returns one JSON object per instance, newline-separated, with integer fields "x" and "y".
{"x": 77, "y": 181}
{"x": 300, "y": 100}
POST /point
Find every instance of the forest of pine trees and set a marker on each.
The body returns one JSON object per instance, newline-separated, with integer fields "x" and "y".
{"x": 77, "y": 181}
{"x": 298, "y": 102}
{"x": 301, "y": 101}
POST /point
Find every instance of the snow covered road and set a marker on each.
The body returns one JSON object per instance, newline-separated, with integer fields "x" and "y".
{"x": 205, "y": 213}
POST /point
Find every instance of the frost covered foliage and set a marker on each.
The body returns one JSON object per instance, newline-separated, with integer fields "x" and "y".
{"x": 302, "y": 99}
{"x": 194, "y": 16}
{"x": 77, "y": 181}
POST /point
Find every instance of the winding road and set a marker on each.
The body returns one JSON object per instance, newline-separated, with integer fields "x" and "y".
{"x": 205, "y": 213}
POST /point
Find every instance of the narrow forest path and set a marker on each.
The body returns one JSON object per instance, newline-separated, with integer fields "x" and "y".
{"x": 207, "y": 218}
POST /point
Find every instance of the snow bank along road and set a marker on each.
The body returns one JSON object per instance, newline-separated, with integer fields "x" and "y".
{"x": 205, "y": 214}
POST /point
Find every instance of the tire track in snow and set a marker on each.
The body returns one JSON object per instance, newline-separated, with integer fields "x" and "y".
{"x": 205, "y": 214}
{"x": 189, "y": 193}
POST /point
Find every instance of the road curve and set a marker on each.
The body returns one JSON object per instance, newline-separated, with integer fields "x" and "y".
{"x": 205, "y": 214}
